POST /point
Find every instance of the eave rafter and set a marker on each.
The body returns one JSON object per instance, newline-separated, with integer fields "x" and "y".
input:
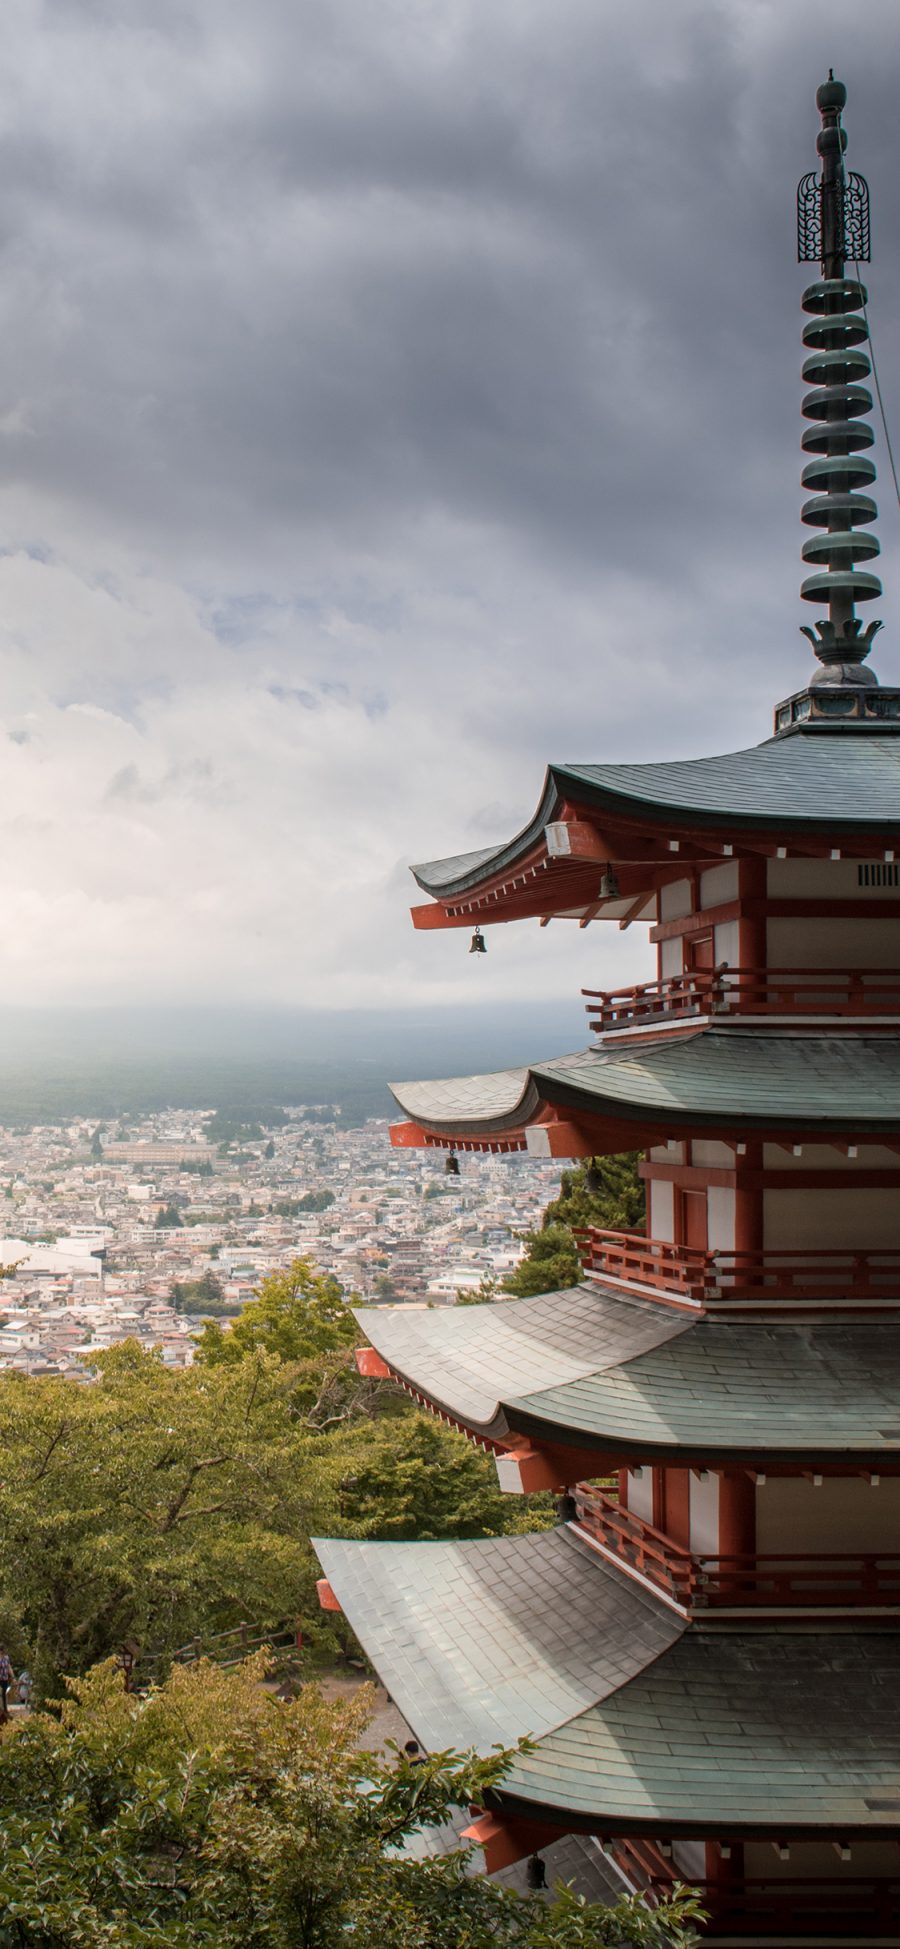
{"x": 560, "y": 875}
{"x": 581, "y": 1133}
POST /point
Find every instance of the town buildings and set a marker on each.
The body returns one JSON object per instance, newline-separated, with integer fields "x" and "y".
{"x": 705, "y": 1651}
{"x": 82, "y": 1211}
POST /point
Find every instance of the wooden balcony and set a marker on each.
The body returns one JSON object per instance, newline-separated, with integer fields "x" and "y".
{"x": 861, "y": 994}
{"x": 838, "y": 1581}
{"x": 806, "y": 1910}
{"x": 683, "y": 1272}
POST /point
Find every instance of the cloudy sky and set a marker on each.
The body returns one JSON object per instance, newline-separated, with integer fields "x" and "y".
{"x": 393, "y": 396}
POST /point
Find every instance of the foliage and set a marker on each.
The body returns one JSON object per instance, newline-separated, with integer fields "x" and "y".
{"x": 244, "y": 1124}
{"x": 487, "y": 1289}
{"x": 408, "y": 1476}
{"x": 203, "y": 1295}
{"x": 211, "y": 1816}
{"x": 167, "y": 1218}
{"x": 157, "y": 1506}
{"x": 614, "y": 1201}
{"x": 299, "y": 1314}
{"x": 310, "y": 1201}
{"x": 154, "y": 1506}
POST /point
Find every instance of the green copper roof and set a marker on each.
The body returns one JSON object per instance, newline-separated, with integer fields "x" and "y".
{"x": 637, "y": 1718}
{"x": 753, "y": 1079}
{"x": 783, "y": 1730}
{"x": 630, "y": 1373}
{"x": 468, "y": 1644}
{"x": 473, "y": 1359}
{"x": 834, "y": 783}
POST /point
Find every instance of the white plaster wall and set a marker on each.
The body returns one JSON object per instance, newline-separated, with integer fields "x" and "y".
{"x": 720, "y": 1218}
{"x": 662, "y": 1209}
{"x": 823, "y": 1157}
{"x": 689, "y": 1857}
{"x": 844, "y": 1217}
{"x": 822, "y": 879}
{"x": 719, "y": 884}
{"x": 845, "y": 1513}
{"x": 726, "y": 944}
{"x": 640, "y": 1494}
{"x": 817, "y": 1861}
{"x": 675, "y": 900}
{"x": 705, "y": 1515}
{"x": 824, "y": 943}
{"x": 671, "y": 960}
{"x": 709, "y": 1152}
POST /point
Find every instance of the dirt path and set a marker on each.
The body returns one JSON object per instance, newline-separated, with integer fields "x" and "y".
{"x": 386, "y": 1722}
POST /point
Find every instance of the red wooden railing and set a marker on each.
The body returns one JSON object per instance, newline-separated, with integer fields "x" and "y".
{"x": 637, "y": 1544}
{"x": 859, "y": 992}
{"x": 778, "y": 1273}
{"x": 807, "y": 1909}
{"x": 836, "y": 1580}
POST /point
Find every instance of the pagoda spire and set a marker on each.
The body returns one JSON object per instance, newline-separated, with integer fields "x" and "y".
{"x": 832, "y": 228}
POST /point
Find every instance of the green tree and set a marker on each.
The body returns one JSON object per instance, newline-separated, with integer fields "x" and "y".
{"x": 154, "y": 1506}
{"x": 203, "y": 1295}
{"x": 603, "y": 1191}
{"x": 170, "y": 1217}
{"x": 488, "y": 1288}
{"x": 298, "y": 1314}
{"x": 407, "y": 1475}
{"x": 211, "y": 1816}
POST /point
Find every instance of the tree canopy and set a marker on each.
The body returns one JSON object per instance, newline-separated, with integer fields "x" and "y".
{"x": 157, "y": 1505}
{"x": 209, "y": 1815}
{"x": 603, "y": 1191}
{"x": 299, "y": 1314}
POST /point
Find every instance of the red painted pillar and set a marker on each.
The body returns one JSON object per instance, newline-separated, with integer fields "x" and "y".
{"x": 752, "y": 930}
{"x": 737, "y": 1513}
{"x": 724, "y": 1881}
{"x": 672, "y": 1504}
{"x": 749, "y": 1230}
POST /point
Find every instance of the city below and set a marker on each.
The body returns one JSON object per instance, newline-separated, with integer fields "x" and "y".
{"x": 138, "y": 1228}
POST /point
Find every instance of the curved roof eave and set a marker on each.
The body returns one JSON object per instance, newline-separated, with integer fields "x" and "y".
{"x": 638, "y": 1720}
{"x": 826, "y": 784}
{"x": 594, "y": 1366}
{"x": 711, "y": 1079}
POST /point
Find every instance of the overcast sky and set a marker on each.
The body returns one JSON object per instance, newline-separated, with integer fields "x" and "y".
{"x": 394, "y": 395}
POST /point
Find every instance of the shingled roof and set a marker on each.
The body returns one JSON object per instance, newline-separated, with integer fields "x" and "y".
{"x": 830, "y": 783}
{"x": 637, "y": 1718}
{"x": 628, "y": 1373}
{"x": 752, "y": 1079}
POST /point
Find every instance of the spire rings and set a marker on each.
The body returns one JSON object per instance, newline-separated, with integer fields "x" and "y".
{"x": 837, "y": 407}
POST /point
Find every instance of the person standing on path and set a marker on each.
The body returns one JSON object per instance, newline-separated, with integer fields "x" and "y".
{"x": 6, "y": 1678}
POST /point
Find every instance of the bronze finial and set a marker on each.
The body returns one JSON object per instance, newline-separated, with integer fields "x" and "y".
{"x": 832, "y": 228}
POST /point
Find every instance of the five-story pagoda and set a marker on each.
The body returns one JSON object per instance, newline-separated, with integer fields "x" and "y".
{"x": 708, "y": 1659}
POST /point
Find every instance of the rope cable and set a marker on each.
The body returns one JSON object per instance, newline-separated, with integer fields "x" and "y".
{"x": 865, "y": 312}
{"x": 878, "y": 392}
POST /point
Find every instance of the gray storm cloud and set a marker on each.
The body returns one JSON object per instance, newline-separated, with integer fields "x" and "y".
{"x": 391, "y": 398}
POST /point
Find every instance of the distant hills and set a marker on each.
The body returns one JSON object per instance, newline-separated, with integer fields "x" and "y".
{"x": 56, "y": 1064}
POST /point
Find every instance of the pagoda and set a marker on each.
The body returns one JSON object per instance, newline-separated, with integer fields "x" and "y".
{"x": 705, "y": 1650}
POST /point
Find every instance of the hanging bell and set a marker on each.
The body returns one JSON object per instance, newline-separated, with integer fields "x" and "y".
{"x": 609, "y": 885}
{"x": 478, "y": 943}
{"x": 451, "y": 1166}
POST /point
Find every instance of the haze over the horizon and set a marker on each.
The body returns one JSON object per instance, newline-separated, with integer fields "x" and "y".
{"x": 391, "y": 398}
